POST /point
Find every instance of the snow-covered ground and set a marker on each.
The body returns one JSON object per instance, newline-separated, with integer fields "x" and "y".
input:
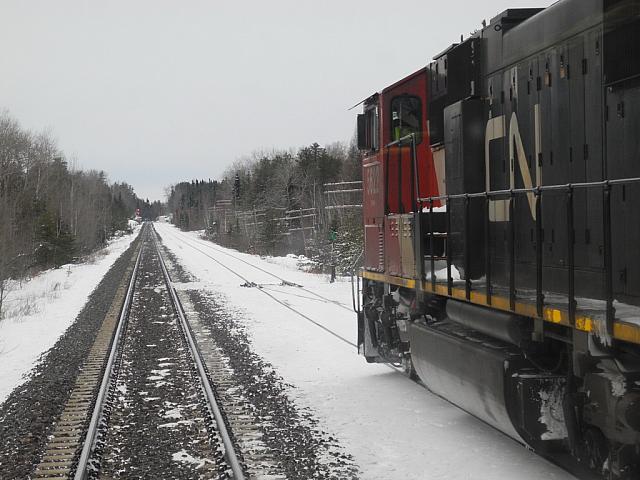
{"x": 394, "y": 428}
{"x": 38, "y": 311}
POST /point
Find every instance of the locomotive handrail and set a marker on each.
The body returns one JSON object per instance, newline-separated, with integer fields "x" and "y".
{"x": 411, "y": 139}
{"x": 540, "y": 188}
{"x": 355, "y": 293}
{"x": 414, "y": 207}
{"x": 400, "y": 141}
{"x": 568, "y": 189}
{"x": 511, "y": 194}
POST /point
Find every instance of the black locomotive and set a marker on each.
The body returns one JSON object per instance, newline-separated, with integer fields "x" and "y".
{"x": 502, "y": 229}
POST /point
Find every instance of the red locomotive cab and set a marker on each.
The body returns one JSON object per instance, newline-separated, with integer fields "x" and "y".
{"x": 398, "y": 168}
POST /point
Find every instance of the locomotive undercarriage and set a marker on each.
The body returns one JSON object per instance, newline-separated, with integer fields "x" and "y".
{"x": 564, "y": 396}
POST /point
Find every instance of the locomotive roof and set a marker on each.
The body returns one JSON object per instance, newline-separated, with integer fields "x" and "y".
{"x": 515, "y": 15}
{"x": 374, "y": 96}
{"x": 550, "y": 26}
{"x": 405, "y": 79}
{"x": 525, "y": 32}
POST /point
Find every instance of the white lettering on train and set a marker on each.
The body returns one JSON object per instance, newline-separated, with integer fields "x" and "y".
{"x": 495, "y": 130}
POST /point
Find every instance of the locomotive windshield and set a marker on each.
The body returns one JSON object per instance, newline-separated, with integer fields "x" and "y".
{"x": 406, "y": 117}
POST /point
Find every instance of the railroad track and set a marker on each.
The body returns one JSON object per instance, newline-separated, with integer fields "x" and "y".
{"x": 563, "y": 463}
{"x": 231, "y": 411}
{"x": 192, "y": 242}
{"x": 270, "y": 293}
{"x": 97, "y": 432}
{"x": 260, "y": 414}
{"x": 61, "y": 456}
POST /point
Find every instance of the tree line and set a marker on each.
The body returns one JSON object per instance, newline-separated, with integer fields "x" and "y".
{"x": 50, "y": 212}
{"x": 243, "y": 208}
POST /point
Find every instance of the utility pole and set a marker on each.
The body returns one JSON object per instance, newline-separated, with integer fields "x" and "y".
{"x": 333, "y": 236}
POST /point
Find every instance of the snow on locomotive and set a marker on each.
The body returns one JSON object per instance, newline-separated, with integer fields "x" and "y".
{"x": 502, "y": 223}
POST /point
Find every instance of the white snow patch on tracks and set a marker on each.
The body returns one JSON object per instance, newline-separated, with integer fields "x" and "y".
{"x": 183, "y": 457}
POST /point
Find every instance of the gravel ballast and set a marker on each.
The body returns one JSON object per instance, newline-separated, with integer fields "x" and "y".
{"x": 303, "y": 450}
{"x": 158, "y": 425}
{"x": 26, "y": 416}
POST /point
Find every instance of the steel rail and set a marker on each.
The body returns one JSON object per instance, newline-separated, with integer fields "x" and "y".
{"x": 284, "y": 304}
{"x": 212, "y": 246}
{"x": 229, "y": 447}
{"x": 92, "y": 431}
{"x": 277, "y": 300}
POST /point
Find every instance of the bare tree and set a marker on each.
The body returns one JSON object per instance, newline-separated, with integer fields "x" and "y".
{"x": 49, "y": 211}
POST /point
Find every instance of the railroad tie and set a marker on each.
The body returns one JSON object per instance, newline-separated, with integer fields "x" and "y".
{"x": 66, "y": 439}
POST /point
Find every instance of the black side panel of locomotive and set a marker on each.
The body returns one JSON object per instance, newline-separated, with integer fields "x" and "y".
{"x": 493, "y": 35}
{"x": 571, "y": 72}
{"x": 553, "y": 25}
{"x": 594, "y": 141}
{"x": 522, "y": 100}
{"x": 464, "y": 171}
{"x": 621, "y": 45}
{"x": 623, "y": 152}
{"x": 621, "y": 40}
{"x": 545, "y": 73}
{"x": 453, "y": 75}
{"x": 487, "y": 378}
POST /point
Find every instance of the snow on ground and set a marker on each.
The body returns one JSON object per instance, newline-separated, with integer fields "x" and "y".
{"x": 38, "y": 311}
{"x": 393, "y": 427}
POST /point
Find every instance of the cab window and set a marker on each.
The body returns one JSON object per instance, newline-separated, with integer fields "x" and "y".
{"x": 406, "y": 117}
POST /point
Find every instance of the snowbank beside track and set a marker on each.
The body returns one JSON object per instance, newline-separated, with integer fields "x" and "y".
{"x": 39, "y": 310}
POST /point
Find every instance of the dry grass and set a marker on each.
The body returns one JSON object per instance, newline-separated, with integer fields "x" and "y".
{"x": 17, "y": 307}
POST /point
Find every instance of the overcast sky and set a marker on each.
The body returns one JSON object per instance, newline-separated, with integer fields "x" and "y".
{"x": 155, "y": 92}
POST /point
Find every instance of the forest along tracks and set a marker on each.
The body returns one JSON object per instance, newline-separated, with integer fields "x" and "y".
{"x": 153, "y": 414}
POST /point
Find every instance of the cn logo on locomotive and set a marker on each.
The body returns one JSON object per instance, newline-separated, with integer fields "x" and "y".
{"x": 495, "y": 130}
